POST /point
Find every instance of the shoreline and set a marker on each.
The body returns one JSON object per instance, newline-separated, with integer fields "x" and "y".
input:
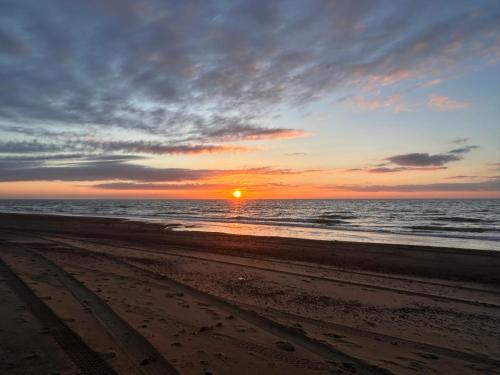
{"x": 281, "y": 230}
{"x": 427, "y": 261}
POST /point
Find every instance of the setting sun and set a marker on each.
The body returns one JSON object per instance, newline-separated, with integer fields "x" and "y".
{"x": 237, "y": 193}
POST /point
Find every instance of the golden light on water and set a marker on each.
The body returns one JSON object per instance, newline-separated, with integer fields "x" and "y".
{"x": 237, "y": 193}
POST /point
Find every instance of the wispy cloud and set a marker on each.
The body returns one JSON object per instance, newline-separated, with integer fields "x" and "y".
{"x": 460, "y": 140}
{"x": 146, "y": 186}
{"x": 92, "y": 146}
{"x": 431, "y": 83}
{"x": 389, "y": 78}
{"x": 252, "y": 133}
{"x": 463, "y": 150}
{"x": 104, "y": 171}
{"x": 157, "y": 148}
{"x": 444, "y": 103}
{"x": 401, "y": 169}
{"x": 134, "y": 186}
{"x": 393, "y": 103}
{"x": 102, "y": 167}
{"x": 276, "y": 171}
{"x": 21, "y": 147}
{"x": 464, "y": 177}
{"x": 489, "y": 186}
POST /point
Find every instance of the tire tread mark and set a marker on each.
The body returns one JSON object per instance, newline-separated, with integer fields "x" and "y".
{"x": 131, "y": 341}
{"x": 88, "y": 361}
{"x": 321, "y": 349}
{"x": 322, "y": 278}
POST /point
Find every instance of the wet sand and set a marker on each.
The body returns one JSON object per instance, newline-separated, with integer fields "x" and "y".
{"x": 147, "y": 300}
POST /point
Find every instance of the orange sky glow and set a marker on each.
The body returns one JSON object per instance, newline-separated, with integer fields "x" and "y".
{"x": 64, "y": 190}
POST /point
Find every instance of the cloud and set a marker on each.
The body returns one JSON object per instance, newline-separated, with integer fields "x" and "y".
{"x": 389, "y": 79}
{"x": 168, "y": 68}
{"x": 21, "y": 147}
{"x": 355, "y": 170}
{"x": 10, "y": 45}
{"x": 460, "y": 140}
{"x": 276, "y": 171}
{"x": 250, "y": 132}
{"x": 161, "y": 149}
{"x": 102, "y": 167}
{"x": 417, "y": 161}
{"x": 444, "y": 103}
{"x": 142, "y": 186}
{"x": 461, "y": 177}
{"x": 382, "y": 169}
{"x": 431, "y": 83}
{"x": 463, "y": 150}
{"x": 144, "y": 147}
{"x": 422, "y": 159}
{"x": 393, "y": 103}
{"x": 40, "y": 132}
{"x": 489, "y": 186}
{"x": 18, "y": 161}
{"x": 401, "y": 169}
{"x": 181, "y": 186}
{"x": 102, "y": 171}
{"x": 427, "y": 160}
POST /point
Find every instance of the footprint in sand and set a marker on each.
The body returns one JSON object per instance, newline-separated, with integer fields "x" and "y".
{"x": 428, "y": 355}
{"x": 284, "y": 345}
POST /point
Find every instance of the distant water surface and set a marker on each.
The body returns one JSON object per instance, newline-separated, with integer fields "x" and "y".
{"x": 473, "y": 224}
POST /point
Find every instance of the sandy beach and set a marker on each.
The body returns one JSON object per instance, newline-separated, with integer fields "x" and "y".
{"x": 92, "y": 295}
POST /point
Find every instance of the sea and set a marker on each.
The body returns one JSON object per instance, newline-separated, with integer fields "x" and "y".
{"x": 459, "y": 223}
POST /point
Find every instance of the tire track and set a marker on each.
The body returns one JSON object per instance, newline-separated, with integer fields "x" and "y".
{"x": 146, "y": 358}
{"x": 457, "y": 354}
{"x": 325, "y": 351}
{"x": 446, "y": 352}
{"x": 289, "y": 262}
{"x": 264, "y": 351}
{"x": 88, "y": 361}
{"x": 296, "y": 274}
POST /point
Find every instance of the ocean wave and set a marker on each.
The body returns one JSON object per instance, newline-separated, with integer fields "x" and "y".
{"x": 462, "y": 219}
{"x": 432, "y": 212}
{"x": 329, "y": 221}
{"x": 305, "y": 220}
{"x": 438, "y": 228}
{"x": 336, "y": 216}
{"x": 337, "y": 212}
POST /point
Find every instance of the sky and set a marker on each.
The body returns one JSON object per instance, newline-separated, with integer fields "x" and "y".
{"x": 280, "y": 99}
